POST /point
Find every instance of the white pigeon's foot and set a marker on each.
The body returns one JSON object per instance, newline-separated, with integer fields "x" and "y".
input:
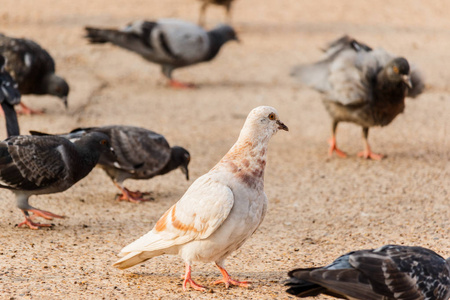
{"x": 192, "y": 283}
{"x": 227, "y": 280}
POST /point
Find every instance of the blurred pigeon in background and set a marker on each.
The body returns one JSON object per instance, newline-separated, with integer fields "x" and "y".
{"x": 139, "y": 154}
{"x": 35, "y": 165}
{"x": 205, "y": 3}
{"x": 362, "y": 86}
{"x": 9, "y": 96}
{"x": 170, "y": 43}
{"x": 387, "y": 273}
{"x": 33, "y": 69}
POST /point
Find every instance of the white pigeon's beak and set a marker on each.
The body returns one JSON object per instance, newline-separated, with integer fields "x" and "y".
{"x": 407, "y": 80}
{"x": 282, "y": 126}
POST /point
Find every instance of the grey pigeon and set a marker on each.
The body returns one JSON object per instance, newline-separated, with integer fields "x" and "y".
{"x": 170, "y": 43}
{"x": 388, "y": 273}
{"x": 9, "y": 96}
{"x": 362, "y": 86}
{"x": 34, "y": 165}
{"x": 33, "y": 69}
{"x": 139, "y": 154}
{"x": 205, "y": 3}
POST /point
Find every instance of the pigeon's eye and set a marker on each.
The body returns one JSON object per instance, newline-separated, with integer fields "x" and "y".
{"x": 272, "y": 116}
{"x": 395, "y": 69}
{"x": 103, "y": 142}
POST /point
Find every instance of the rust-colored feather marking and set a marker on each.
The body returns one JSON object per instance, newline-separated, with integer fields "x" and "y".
{"x": 162, "y": 222}
{"x": 179, "y": 225}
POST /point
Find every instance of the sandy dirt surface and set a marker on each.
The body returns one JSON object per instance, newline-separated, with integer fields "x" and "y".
{"x": 319, "y": 207}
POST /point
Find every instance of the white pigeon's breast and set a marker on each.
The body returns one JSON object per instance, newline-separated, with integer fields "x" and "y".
{"x": 245, "y": 217}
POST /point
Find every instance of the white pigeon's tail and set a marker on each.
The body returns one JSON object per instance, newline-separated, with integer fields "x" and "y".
{"x": 134, "y": 258}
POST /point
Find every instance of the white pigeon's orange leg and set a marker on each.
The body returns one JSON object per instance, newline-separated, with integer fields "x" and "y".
{"x": 188, "y": 280}
{"x": 133, "y": 197}
{"x": 181, "y": 85}
{"x": 28, "y": 111}
{"x": 227, "y": 280}
{"x": 367, "y": 153}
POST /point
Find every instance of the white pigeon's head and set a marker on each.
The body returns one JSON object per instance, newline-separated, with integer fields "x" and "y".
{"x": 263, "y": 121}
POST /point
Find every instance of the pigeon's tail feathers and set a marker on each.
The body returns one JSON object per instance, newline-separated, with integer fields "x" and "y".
{"x": 134, "y": 258}
{"x": 417, "y": 81}
{"x": 12, "y": 124}
{"x": 146, "y": 247}
{"x": 313, "y": 75}
{"x": 100, "y": 36}
{"x": 302, "y": 288}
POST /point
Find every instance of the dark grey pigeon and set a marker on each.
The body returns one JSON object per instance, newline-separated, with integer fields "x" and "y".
{"x": 33, "y": 69}
{"x": 9, "y": 96}
{"x": 205, "y": 3}
{"x": 139, "y": 154}
{"x": 390, "y": 272}
{"x": 362, "y": 86}
{"x": 170, "y": 43}
{"x": 34, "y": 165}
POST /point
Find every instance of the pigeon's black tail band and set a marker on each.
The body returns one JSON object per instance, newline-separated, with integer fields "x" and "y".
{"x": 99, "y": 36}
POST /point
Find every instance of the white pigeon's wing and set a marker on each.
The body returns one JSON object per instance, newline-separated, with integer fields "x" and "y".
{"x": 182, "y": 41}
{"x": 202, "y": 209}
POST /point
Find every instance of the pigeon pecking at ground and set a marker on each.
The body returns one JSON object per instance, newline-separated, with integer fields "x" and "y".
{"x": 33, "y": 69}
{"x": 219, "y": 211}
{"x": 388, "y": 273}
{"x": 9, "y": 96}
{"x": 170, "y": 43}
{"x": 205, "y": 3}
{"x": 362, "y": 86}
{"x": 139, "y": 154}
{"x": 34, "y": 165}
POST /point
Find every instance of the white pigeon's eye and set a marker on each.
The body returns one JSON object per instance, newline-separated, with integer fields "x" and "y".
{"x": 272, "y": 116}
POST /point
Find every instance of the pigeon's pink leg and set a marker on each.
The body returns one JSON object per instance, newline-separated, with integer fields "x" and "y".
{"x": 188, "y": 280}
{"x": 38, "y": 213}
{"x": 181, "y": 85}
{"x": 28, "y": 111}
{"x": 227, "y": 280}
{"x": 367, "y": 153}
{"x": 334, "y": 148}
{"x": 133, "y": 197}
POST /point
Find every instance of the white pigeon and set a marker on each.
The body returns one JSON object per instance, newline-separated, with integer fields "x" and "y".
{"x": 219, "y": 211}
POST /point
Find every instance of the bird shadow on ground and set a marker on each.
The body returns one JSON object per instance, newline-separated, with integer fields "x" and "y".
{"x": 241, "y": 84}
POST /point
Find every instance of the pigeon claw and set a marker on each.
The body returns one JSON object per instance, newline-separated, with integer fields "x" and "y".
{"x": 193, "y": 285}
{"x": 44, "y": 214}
{"x": 33, "y": 225}
{"x": 28, "y": 111}
{"x": 227, "y": 280}
{"x": 334, "y": 148}
{"x": 133, "y": 197}
{"x": 181, "y": 85}
{"x": 370, "y": 155}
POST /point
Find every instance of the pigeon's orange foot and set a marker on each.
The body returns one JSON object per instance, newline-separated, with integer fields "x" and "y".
{"x": 33, "y": 225}
{"x": 28, "y": 111}
{"x": 44, "y": 214}
{"x": 334, "y": 148}
{"x": 227, "y": 280}
{"x": 370, "y": 155}
{"x": 230, "y": 281}
{"x": 181, "y": 85}
{"x": 193, "y": 285}
{"x": 133, "y": 197}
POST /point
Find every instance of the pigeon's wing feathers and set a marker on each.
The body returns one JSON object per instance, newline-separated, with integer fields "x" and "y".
{"x": 385, "y": 276}
{"x": 30, "y": 163}
{"x": 202, "y": 209}
{"x": 181, "y": 41}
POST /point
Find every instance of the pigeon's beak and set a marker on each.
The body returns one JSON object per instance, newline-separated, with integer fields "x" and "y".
{"x": 112, "y": 151}
{"x": 282, "y": 126}
{"x": 407, "y": 80}
{"x": 185, "y": 171}
{"x": 64, "y": 100}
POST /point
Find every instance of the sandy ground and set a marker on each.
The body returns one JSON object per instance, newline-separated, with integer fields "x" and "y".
{"x": 319, "y": 207}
